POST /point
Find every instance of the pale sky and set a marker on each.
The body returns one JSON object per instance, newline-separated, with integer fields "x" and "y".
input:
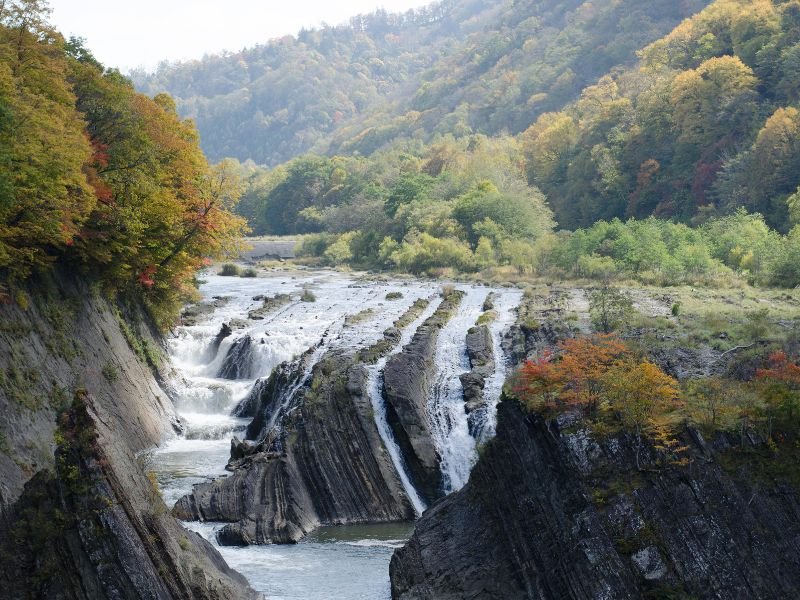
{"x": 132, "y": 33}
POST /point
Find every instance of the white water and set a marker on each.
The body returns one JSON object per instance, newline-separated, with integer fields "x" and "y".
{"x": 505, "y": 305}
{"x": 448, "y": 420}
{"x": 352, "y": 562}
{"x": 379, "y": 408}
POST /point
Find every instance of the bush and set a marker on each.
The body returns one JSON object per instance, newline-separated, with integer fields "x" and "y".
{"x": 229, "y": 270}
{"x": 307, "y": 296}
{"x": 249, "y": 272}
{"x": 394, "y": 295}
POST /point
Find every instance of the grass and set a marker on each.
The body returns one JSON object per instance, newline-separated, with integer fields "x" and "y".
{"x": 394, "y": 295}
{"x": 487, "y": 318}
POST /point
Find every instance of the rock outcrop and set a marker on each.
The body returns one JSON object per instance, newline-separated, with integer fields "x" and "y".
{"x": 78, "y": 516}
{"x": 480, "y": 351}
{"x": 238, "y": 363}
{"x": 322, "y": 462}
{"x": 408, "y": 378}
{"x": 313, "y": 454}
{"x": 552, "y": 512}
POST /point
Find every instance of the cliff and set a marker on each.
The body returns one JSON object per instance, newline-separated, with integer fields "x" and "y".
{"x": 81, "y": 400}
{"x": 553, "y": 511}
{"x": 313, "y": 454}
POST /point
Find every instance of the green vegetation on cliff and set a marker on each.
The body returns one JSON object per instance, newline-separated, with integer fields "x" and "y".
{"x": 98, "y": 176}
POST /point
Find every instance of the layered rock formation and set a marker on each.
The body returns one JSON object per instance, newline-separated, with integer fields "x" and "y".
{"x": 84, "y": 521}
{"x": 408, "y": 378}
{"x": 314, "y": 456}
{"x": 551, "y": 512}
{"x": 480, "y": 351}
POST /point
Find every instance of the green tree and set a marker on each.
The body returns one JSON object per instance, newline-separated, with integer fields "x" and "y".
{"x": 609, "y": 308}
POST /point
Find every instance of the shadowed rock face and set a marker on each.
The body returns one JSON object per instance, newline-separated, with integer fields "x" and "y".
{"x": 552, "y": 514}
{"x": 84, "y": 521}
{"x": 408, "y": 378}
{"x": 238, "y": 363}
{"x": 323, "y": 463}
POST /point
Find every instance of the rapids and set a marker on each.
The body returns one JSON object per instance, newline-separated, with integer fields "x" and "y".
{"x": 344, "y": 562}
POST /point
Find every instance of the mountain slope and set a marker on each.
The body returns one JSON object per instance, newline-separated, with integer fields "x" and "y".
{"x": 451, "y": 68}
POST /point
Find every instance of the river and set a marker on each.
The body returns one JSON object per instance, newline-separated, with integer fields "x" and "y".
{"x": 348, "y": 562}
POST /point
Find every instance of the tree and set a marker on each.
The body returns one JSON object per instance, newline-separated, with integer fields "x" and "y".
{"x": 571, "y": 378}
{"x": 638, "y": 391}
{"x": 609, "y": 308}
{"x": 780, "y": 387}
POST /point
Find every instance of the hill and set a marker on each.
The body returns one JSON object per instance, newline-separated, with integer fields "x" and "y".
{"x": 454, "y": 67}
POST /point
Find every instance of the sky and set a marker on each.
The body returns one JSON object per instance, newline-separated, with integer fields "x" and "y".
{"x": 128, "y": 34}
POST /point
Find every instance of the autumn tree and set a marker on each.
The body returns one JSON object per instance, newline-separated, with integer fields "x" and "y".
{"x": 572, "y": 377}
{"x": 638, "y": 391}
{"x": 780, "y": 387}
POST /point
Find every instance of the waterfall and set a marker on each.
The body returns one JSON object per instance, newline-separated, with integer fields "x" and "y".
{"x": 448, "y": 419}
{"x": 505, "y": 305}
{"x": 375, "y": 387}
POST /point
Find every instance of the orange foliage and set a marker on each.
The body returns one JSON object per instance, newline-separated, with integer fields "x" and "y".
{"x": 574, "y": 378}
{"x": 781, "y": 369}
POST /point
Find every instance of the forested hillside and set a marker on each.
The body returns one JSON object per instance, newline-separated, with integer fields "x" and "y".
{"x": 706, "y": 124}
{"x": 695, "y": 146}
{"x": 455, "y": 67}
{"x": 98, "y": 176}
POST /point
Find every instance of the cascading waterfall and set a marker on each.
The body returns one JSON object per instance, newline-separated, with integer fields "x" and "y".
{"x": 505, "y": 304}
{"x": 448, "y": 419}
{"x": 379, "y": 408}
{"x": 206, "y": 402}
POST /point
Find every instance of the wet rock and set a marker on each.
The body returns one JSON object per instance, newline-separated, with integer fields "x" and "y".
{"x": 238, "y": 363}
{"x": 240, "y": 449}
{"x": 269, "y": 305}
{"x": 480, "y": 351}
{"x": 408, "y": 379}
{"x": 196, "y": 313}
{"x": 316, "y": 458}
{"x": 224, "y": 332}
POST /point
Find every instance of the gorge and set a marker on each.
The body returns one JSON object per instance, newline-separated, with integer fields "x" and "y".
{"x": 325, "y": 446}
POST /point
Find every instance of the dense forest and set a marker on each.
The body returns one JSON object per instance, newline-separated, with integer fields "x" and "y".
{"x": 99, "y": 177}
{"x": 454, "y": 67}
{"x": 497, "y": 136}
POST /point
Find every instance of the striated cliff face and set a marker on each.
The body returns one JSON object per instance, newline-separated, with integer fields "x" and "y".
{"x": 313, "y": 455}
{"x": 408, "y": 378}
{"x": 551, "y": 512}
{"x": 80, "y": 400}
{"x": 480, "y": 351}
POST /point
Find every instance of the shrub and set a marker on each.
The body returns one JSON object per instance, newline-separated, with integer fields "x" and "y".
{"x": 229, "y": 270}
{"x": 307, "y": 296}
{"x": 446, "y": 290}
{"x": 394, "y": 295}
{"x": 249, "y": 272}
{"x": 110, "y": 372}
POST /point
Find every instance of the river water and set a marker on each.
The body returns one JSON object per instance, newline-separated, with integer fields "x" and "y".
{"x": 349, "y": 562}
